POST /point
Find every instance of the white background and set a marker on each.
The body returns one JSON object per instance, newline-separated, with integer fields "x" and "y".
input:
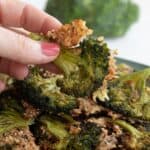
{"x": 135, "y": 45}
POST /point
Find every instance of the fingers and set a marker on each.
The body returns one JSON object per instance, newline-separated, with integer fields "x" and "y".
{"x": 24, "y": 50}
{"x": 19, "y": 71}
{"x": 19, "y": 14}
{"x": 2, "y": 86}
{"x": 13, "y": 69}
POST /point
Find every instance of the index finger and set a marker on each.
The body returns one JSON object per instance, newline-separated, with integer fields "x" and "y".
{"x": 15, "y": 13}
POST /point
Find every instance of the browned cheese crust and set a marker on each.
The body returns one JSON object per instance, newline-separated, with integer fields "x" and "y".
{"x": 70, "y": 35}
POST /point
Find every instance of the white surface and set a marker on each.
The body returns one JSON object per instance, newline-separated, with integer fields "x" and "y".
{"x": 135, "y": 45}
{"x": 38, "y": 3}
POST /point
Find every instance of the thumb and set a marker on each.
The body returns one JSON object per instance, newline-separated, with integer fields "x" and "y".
{"x": 21, "y": 49}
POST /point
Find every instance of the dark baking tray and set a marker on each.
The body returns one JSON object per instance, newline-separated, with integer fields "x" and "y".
{"x": 135, "y": 65}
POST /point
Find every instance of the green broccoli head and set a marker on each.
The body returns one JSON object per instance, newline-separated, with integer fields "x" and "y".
{"x": 43, "y": 92}
{"x": 87, "y": 139}
{"x": 130, "y": 95}
{"x": 14, "y": 131}
{"x": 11, "y": 119}
{"x": 84, "y": 71}
{"x": 109, "y": 18}
{"x": 135, "y": 139}
{"x": 9, "y": 101}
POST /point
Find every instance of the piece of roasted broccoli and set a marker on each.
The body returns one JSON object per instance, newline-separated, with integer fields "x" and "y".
{"x": 14, "y": 131}
{"x": 135, "y": 139}
{"x": 11, "y": 119}
{"x": 110, "y": 18}
{"x": 52, "y": 132}
{"x": 83, "y": 71}
{"x": 130, "y": 95}
{"x": 84, "y": 66}
{"x": 8, "y": 102}
{"x": 43, "y": 93}
{"x": 87, "y": 139}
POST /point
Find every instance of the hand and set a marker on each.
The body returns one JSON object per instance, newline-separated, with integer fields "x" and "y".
{"x": 17, "y": 51}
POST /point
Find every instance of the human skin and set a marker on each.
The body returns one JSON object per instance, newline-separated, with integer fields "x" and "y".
{"x": 16, "y": 50}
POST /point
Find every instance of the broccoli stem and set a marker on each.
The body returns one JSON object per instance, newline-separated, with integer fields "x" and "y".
{"x": 67, "y": 62}
{"x": 55, "y": 128}
{"x": 58, "y": 130}
{"x": 126, "y": 126}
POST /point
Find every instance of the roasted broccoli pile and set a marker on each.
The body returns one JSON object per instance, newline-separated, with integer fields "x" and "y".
{"x": 130, "y": 95}
{"x": 93, "y": 104}
{"x": 110, "y": 18}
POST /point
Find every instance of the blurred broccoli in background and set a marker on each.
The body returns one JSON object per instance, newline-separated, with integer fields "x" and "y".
{"x": 110, "y": 18}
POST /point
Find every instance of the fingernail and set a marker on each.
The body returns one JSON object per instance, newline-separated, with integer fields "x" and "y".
{"x": 50, "y": 49}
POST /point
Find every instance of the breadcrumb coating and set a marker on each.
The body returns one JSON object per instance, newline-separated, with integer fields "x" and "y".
{"x": 70, "y": 35}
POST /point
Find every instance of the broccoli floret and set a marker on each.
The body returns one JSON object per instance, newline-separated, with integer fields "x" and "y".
{"x": 7, "y": 101}
{"x": 136, "y": 140}
{"x": 14, "y": 131}
{"x": 87, "y": 139}
{"x": 54, "y": 133}
{"x": 43, "y": 93}
{"x": 85, "y": 64}
{"x": 51, "y": 133}
{"x": 110, "y": 18}
{"x": 83, "y": 71}
{"x": 130, "y": 95}
{"x": 11, "y": 119}
{"x": 84, "y": 68}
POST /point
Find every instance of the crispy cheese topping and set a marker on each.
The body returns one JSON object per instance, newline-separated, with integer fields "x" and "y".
{"x": 102, "y": 92}
{"x": 70, "y": 35}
